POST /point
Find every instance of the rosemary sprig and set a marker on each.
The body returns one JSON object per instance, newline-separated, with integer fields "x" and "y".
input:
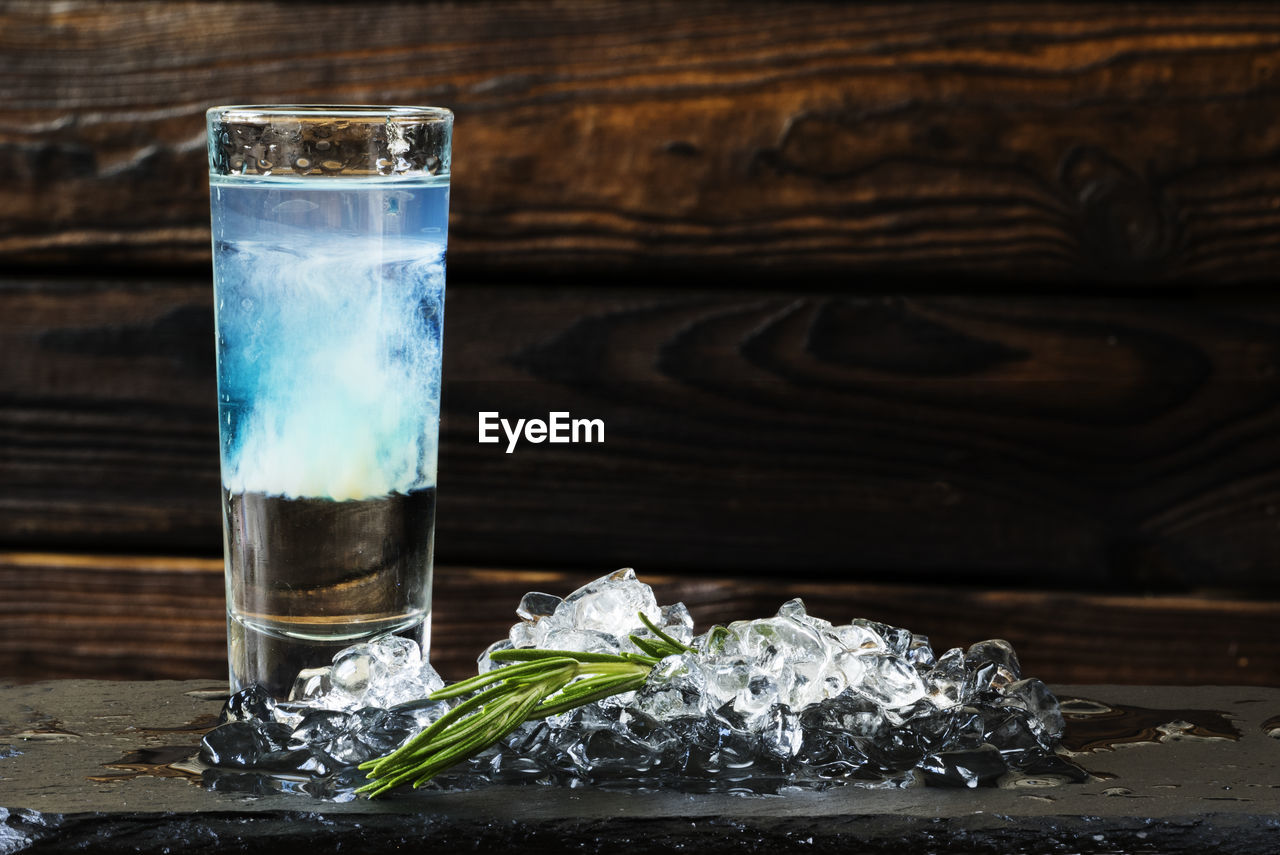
{"x": 538, "y": 684}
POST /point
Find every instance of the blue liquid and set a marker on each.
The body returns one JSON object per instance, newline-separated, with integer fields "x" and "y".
{"x": 330, "y": 311}
{"x": 329, "y": 296}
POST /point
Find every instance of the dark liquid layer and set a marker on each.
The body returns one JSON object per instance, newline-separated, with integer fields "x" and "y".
{"x": 307, "y": 577}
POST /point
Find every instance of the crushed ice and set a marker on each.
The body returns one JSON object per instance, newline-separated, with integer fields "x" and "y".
{"x": 761, "y": 705}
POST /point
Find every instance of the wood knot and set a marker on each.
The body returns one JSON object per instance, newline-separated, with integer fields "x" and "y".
{"x": 1125, "y": 223}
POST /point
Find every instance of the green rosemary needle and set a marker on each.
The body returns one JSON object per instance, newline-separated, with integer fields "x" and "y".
{"x": 538, "y": 683}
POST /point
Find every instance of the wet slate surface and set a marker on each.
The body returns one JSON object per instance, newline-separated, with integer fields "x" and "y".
{"x": 87, "y": 764}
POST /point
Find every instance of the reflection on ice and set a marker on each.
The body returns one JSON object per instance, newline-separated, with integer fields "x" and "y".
{"x": 786, "y": 701}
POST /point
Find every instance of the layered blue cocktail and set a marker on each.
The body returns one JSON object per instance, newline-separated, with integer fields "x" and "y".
{"x": 329, "y": 280}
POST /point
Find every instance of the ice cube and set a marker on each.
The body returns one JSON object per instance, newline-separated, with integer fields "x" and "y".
{"x": 807, "y": 684}
{"x": 1010, "y": 730}
{"x": 430, "y": 677}
{"x": 948, "y": 681}
{"x": 790, "y": 652}
{"x": 726, "y": 677}
{"x": 534, "y": 606}
{"x": 848, "y": 669}
{"x": 236, "y": 744}
{"x": 289, "y": 713}
{"x": 295, "y": 761}
{"x": 395, "y": 653}
{"x": 920, "y": 653}
{"x": 483, "y": 663}
{"x": 251, "y": 704}
{"x": 610, "y": 605}
{"x": 423, "y": 712}
{"x": 677, "y": 622}
{"x": 855, "y": 636}
{"x": 889, "y": 681}
{"x": 970, "y": 768}
{"x": 622, "y": 700}
{"x": 770, "y": 637}
{"x": 607, "y": 743}
{"x": 729, "y": 746}
{"x": 993, "y": 664}
{"x": 893, "y": 639}
{"x": 354, "y": 668}
{"x": 649, "y": 731}
{"x": 663, "y": 703}
{"x": 530, "y": 634}
{"x": 969, "y": 728}
{"x": 759, "y": 695}
{"x": 674, "y": 688}
{"x": 780, "y": 731}
{"x": 395, "y": 688}
{"x": 277, "y": 734}
{"x": 1043, "y": 713}
{"x": 793, "y": 609}
{"x": 312, "y": 683}
{"x": 615, "y": 752}
{"x": 321, "y": 727}
{"x": 351, "y": 749}
{"x": 583, "y": 640}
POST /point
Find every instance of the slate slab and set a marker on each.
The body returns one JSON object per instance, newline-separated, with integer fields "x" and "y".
{"x": 90, "y": 764}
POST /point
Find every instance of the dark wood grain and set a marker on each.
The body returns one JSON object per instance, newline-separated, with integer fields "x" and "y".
{"x": 1032, "y": 142}
{"x": 152, "y": 618}
{"x": 1069, "y": 442}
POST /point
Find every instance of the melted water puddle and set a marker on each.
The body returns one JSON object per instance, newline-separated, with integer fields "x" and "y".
{"x": 162, "y": 761}
{"x": 201, "y": 724}
{"x": 165, "y": 761}
{"x": 37, "y": 727}
{"x": 1094, "y": 726}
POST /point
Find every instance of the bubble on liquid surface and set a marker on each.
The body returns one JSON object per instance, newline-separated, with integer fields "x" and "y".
{"x": 757, "y": 706}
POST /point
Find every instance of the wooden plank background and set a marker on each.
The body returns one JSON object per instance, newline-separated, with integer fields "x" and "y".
{"x": 1048, "y": 141}
{"x": 969, "y": 300}
{"x": 69, "y": 611}
{"x": 1063, "y": 442}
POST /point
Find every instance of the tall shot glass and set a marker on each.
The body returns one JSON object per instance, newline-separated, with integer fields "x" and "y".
{"x": 329, "y": 232}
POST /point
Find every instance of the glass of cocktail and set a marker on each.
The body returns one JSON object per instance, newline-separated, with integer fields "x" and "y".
{"x": 329, "y": 231}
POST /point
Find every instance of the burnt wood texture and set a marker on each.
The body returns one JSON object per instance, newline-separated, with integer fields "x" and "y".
{"x": 162, "y": 618}
{"x": 1054, "y": 140}
{"x": 1051, "y": 443}
{"x": 969, "y": 295}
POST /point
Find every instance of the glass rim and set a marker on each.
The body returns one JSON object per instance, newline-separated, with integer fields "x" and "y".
{"x": 263, "y": 113}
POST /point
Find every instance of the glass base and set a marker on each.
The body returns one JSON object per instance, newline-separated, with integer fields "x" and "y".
{"x": 273, "y": 659}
